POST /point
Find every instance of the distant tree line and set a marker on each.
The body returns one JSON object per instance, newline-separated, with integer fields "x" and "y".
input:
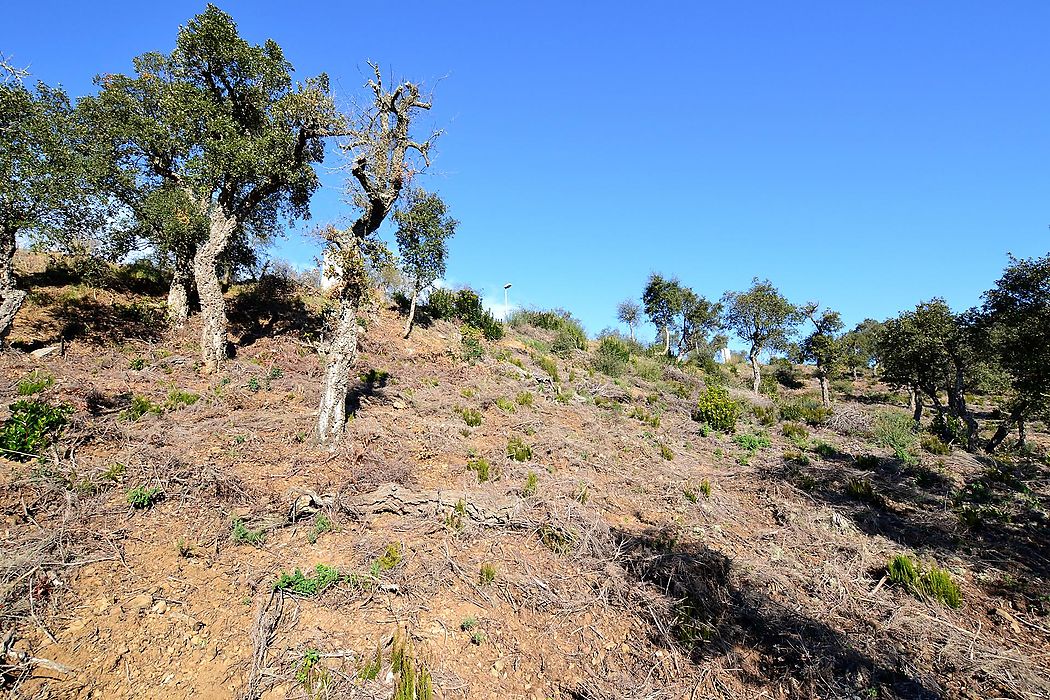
{"x": 938, "y": 356}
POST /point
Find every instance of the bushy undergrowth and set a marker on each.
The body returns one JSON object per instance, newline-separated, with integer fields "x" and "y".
{"x": 569, "y": 333}
{"x": 716, "y": 409}
{"x": 896, "y": 431}
{"x": 305, "y": 585}
{"x": 35, "y": 382}
{"x": 935, "y": 583}
{"x": 805, "y": 409}
{"x": 31, "y": 427}
{"x": 466, "y": 306}
{"x": 612, "y": 357}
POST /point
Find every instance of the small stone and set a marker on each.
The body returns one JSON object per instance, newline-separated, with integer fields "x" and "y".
{"x": 160, "y": 607}
{"x": 140, "y": 602}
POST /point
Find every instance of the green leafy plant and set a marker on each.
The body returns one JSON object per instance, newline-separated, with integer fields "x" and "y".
{"x": 548, "y": 365}
{"x": 471, "y": 416}
{"x": 240, "y": 533}
{"x": 468, "y": 624}
{"x": 641, "y": 414}
{"x": 311, "y": 674}
{"x": 896, "y": 431}
{"x": 505, "y": 405}
{"x": 140, "y": 406}
{"x": 467, "y": 392}
{"x": 481, "y": 467}
{"x": 178, "y": 399}
{"x": 934, "y": 445}
{"x": 31, "y": 427}
{"x": 705, "y": 488}
{"x": 322, "y": 524}
{"x": 305, "y": 585}
{"x": 795, "y": 431}
{"x": 715, "y": 409}
{"x": 531, "y": 484}
{"x": 392, "y": 556}
{"x": 137, "y": 364}
{"x": 806, "y": 409}
{"x": 612, "y": 357}
{"x": 518, "y": 449}
{"x": 825, "y": 450}
{"x": 142, "y": 497}
{"x": 666, "y": 452}
{"x": 487, "y": 574}
{"x": 935, "y": 583}
{"x": 36, "y": 382}
{"x": 472, "y": 349}
{"x": 862, "y": 490}
{"x": 525, "y": 398}
{"x": 751, "y": 442}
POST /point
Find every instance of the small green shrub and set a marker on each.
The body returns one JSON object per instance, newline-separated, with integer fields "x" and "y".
{"x": 797, "y": 456}
{"x": 31, "y": 427}
{"x": 471, "y": 416}
{"x": 767, "y": 386}
{"x": 666, "y": 452}
{"x": 639, "y": 413}
{"x": 717, "y": 410}
{"x": 322, "y": 524}
{"x": 787, "y": 374}
{"x": 36, "y": 382}
{"x": 301, "y": 584}
{"x": 648, "y": 369}
{"x": 140, "y": 406}
{"x": 794, "y": 431}
{"x": 142, "y": 497}
{"x": 242, "y": 534}
{"x": 612, "y": 357}
{"x": 934, "y": 445}
{"x": 137, "y": 364}
{"x": 705, "y": 488}
{"x": 531, "y": 484}
{"x": 525, "y": 398}
{"x": 177, "y": 399}
{"x": 766, "y": 415}
{"x": 472, "y": 350}
{"x": 825, "y": 450}
{"x": 805, "y": 409}
{"x": 312, "y": 675}
{"x": 465, "y": 305}
{"x": 480, "y": 466}
{"x": 751, "y": 442}
{"x": 519, "y": 450}
{"x": 468, "y": 623}
{"x": 505, "y": 405}
{"x": 467, "y": 392}
{"x": 935, "y": 583}
{"x": 487, "y": 574}
{"x": 869, "y": 462}
{"x": 391, "y": 557}
{"x": 862, "y": 490}
{"x": 548, "y": 365}
{"x": 896, "y": 431}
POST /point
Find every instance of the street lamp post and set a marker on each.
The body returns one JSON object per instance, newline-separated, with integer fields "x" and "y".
{"x": 506, "y": 306}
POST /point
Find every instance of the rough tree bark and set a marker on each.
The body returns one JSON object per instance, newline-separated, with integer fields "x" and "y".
{"x": 179, "y": 292}
{"x": 11, "y": 298}
{"x": 410, "y": 323}
{"x": 213, "y": 303}
{"x": 915, "y": 404}
{"x": 1016, "y": 417}
{"x": 755, "y": 373}
{"x": 631, "y": 327}
{"x": 379, "y": 171}
{"x": 825, "y": 392}
{"x": 339, "y": 360}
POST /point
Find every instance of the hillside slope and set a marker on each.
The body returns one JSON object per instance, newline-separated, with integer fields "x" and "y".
{"x": 627, "y": 555}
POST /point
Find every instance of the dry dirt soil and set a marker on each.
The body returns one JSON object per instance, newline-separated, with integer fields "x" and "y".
{"x": 628, "y": 555}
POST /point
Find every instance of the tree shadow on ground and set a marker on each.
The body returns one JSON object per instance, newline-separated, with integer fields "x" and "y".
{"x": 269, "y": 307}
{"x": 94, "y": 320}
{"x": 710, "y": 610}
{"x": 369, "y": 384}
{"x": 993, "y": 520}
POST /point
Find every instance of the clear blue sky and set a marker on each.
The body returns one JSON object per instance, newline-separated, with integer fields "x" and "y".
{"x": 867, "y": 155}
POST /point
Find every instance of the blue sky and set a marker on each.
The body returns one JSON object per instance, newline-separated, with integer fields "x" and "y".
{"x": 865, "y": 155}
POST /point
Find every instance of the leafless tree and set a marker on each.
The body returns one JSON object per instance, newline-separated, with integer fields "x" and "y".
{"x": 384, "y": 155}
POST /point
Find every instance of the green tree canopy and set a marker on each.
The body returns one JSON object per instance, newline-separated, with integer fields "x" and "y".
{"x": 761, "y": 317}
{"x": 423, "y": 227}
{"x": 222, "y": 121}
{"x": 662, "y": 300}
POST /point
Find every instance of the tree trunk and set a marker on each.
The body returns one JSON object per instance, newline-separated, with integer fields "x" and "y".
{"x": 755, "y": 372}
{"x": 339, "y": 360}
{"x": 1016, "y": 416}
{"x": 667, "y": 340}
{"x": 825, "y": 392}
{"x": 11, "y": 298}
{"x": 631, "y": 326}
{"x": 957, "y": 405}
{"x": 213, "y": 303}
{"x": 1022, "y": 434}
{"x": 411, "y": 311}
{"x": 179, "y": 293}
{"x": 916, "y": 405}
